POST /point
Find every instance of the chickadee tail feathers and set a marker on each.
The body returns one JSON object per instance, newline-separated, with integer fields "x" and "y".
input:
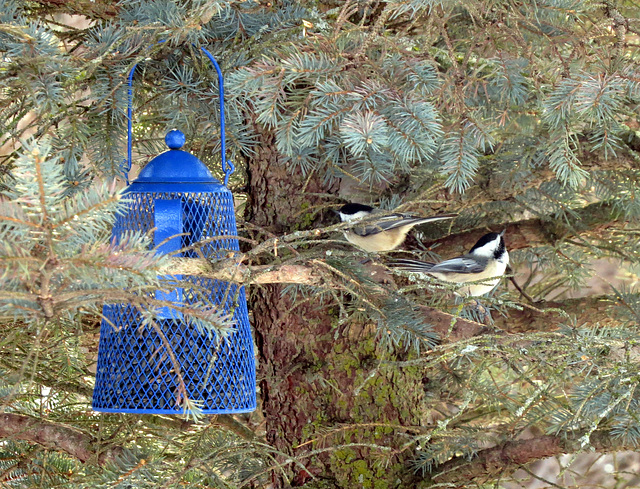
{"x": 442, "y": 217}
{"x": 414, "y": 266}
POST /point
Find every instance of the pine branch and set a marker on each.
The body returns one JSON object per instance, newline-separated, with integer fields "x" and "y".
{"x": 549, "y": 316}
{"x": 546, "y": 316}
{"x": 232, "y": 271}
{"x": 89, "y": 8}
{"x": 591, "y": 220}
{"x": 240, "y": 429}
{"x": 54, "y": 436}
{"x": 508, "y": 457}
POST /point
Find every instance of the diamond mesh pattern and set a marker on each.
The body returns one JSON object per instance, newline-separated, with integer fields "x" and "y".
{"x": 205, "y": 215}
{"x": 135, "y": 372}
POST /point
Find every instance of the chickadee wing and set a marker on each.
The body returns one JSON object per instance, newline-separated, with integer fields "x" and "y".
{"x": 460, "y": 264}
{"x": 394, "y": 221}
{"x": 375, "y": 227}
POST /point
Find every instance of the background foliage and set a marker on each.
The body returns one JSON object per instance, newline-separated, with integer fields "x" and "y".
{"x": 516, "y": 115}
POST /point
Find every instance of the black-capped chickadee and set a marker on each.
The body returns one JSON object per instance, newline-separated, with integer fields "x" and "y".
{"x": 385, "y": 233}
{"x": 488, "y": 259}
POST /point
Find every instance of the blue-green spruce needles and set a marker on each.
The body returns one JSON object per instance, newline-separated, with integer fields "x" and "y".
{"x": 57, "y": 258}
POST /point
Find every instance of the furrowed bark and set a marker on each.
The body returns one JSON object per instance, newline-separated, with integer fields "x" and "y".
{"x": 312, "y": 369}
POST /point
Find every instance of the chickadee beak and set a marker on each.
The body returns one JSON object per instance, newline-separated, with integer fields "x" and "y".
{"x": 503, "y": 231}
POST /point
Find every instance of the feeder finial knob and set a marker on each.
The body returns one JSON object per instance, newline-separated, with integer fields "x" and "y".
{"x": 175, "y": 139}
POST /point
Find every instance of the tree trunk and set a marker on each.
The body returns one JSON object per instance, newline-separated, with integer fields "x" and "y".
{"x": 326, "y": 399}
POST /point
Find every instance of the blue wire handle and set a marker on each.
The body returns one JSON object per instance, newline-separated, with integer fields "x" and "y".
{"x": 227, "y": 167}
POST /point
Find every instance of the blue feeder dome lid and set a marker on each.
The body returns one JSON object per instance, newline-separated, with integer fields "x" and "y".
{"x": 174, "y": 167}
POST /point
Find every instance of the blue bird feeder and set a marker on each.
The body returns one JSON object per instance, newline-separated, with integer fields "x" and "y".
{"x": 177, "y": 195}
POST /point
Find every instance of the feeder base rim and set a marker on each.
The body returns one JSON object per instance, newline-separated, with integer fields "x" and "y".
{"x": 174, "y": 411}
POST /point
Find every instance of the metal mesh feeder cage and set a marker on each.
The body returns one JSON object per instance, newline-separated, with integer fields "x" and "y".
{"x": 176, "y": 195}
